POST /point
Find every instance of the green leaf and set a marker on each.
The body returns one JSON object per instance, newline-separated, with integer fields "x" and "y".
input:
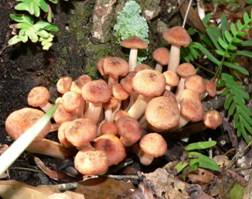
{"x": 181, "y": 166}
{"x": 236, "y": 67}
{"x": 244, "y": 53}
{"x": 228, "y": 36}
{"x": 233, "y": 29}
{"x": 23, "y": 7}
{"x": 246, "y": 18}
{"x": 21, "y": 18}
{"x": 236, "y": 191}
{"x": 246, "y": 43}
{"x": 224, "y": 23}
{"x": 200, "y": 145}
{"x": 223, "y": 43}
{"x": 54, "y": 1}
{"x": 214, "y": 33}
{"x": 43, "y": 5}
{"x": 14, "y": 40}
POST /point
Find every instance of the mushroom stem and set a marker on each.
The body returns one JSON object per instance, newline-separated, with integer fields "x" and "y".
{"x": 93, "y": 112}
{"x": 181, "y": 87}
{"x": 174, "y": 58}
{"x": 46, "y": 107}
{"x": 158, "y": 67}
{"x": 133, "y": 58}
{"x": 108, "y": 115}
{"x": 145, "y": 158}
{"x": 138, "y": 108}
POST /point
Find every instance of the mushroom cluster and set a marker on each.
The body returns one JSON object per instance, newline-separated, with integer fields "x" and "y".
{"x": 130, "y": 107}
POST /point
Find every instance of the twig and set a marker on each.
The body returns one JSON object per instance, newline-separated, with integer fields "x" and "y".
{"x": 123, "y": 177}
{"x": 187, "y": 12}
{"x": 25, "y": 169}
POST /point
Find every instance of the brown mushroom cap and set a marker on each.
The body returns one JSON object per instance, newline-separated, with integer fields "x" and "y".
{"x": 196, "y": 83}
{"x": 177, "y": 36}
{"x": 108, "y": 127}
{"x": 20, "y": 120}
{"x": 126, "y": 82}
{"x": 96, "y": 91}
{"x": 188, "y": 94}
{"x": 112, "y": 146}
{"x": 62, "y": 134}
{"x": 99, "y": 66}
{"x": 171, "y": 78}
{"x": 162, "y": 112}
{"x": 81, "y": 131}
{"x": 142, "y": 67}
{"x": 211, "y": 87}
{"x": 129, "y": 130}
{"x": 134, "y": 42}
{"x": 186, "y": 70}
{"x": 153, "y": 144}
{"x": 72, "y": 101}
{"x": 64, "y": 84}
{"x": 115, "y": 67}
{"x": 61, "y": 115}
{"x": 38, "y": 96}
{"x": 212, "y": 119}
{"x": 93, "y": 162}
{"x": 119, "y": 93}
{"x": 77, "y": 84}
{"x": 149, "y": 83}
{"x": 161, "y": 55}
{"x": 192, "y": 110}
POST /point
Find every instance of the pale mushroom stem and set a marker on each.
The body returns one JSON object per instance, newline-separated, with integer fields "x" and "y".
{"x": 133, "y": 58}
{"x": 93, "y": 112}
{"x": 158, "y": 67}
{"x": 181, "y": 87}
{"x": 108, "y": 114}
{"x": 145, "y": 158}
{"x": 46, "y": 107}
{"x": 138, "y": 108}
{"x": 174, "y": 58}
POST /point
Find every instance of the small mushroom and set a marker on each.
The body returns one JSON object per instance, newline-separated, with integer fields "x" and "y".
{"x": 161, "y": 56}
{"x": 61, "y": 115}
{"x": 77, "y": 84}
{"x": 152, "y": 145}
{"x": 177, "y": 36}
{"x": 108, "y": 127}
{"x": 192, "y": 110}
{"x": 196, "y": 83}
{"x": 212, "y": 119}
{"x": 64, "y": 84}
{"x": 211, "y": 87}
{"x": 171, "y": 79}
{"x": 134, "y": 43}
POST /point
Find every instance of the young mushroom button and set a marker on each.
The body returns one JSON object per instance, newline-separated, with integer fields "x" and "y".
{"x": 212, "y": 119}
{"x": 134, "y": 43}
{"x": 161, "y": 56}
{"x": 177, "y": 36}
{"x": 64, "y": 84}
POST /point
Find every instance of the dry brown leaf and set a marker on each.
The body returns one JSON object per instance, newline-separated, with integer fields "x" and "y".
{"x": 201, "y": 176}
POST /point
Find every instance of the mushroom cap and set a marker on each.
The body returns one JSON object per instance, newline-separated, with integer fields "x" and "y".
{"x": 134, "y": 42}
{"x": 112, "y": 103}
{"x": 108, "y": 127}
{"x": 142, "y": 67}
{"x": 171, "y": 78}
{"x": 72, "y": 101}
{"x": 212, "y": 119}
{"x": 61, "y": 115}
{"x": 115, "y": 67}
{"x": 188, "y": 94}
{"x": 64, "y": 84}
{"x": 81, "y": 131}
{"x": 119, "y": 93}
{"x": 119, "y": 114}
{"x": 129, "y": 130}
{"x": 192, "y": 110}
{"x": 153, "y": 144}
{"x": 149, "y": 83}
{"x": 77, "y": 84}
{"x": 92, "y": 162}
{"x": 186, "y": 70}
{"x": 62, "y": 134}
{"x": 161, "y": 55}
{"x": 163, "y": 112}
{"x": 22, "y": 119}
{"x": 112, "y": 146}
{"x": 211, "y": 87}
{"x": 99, "y": 66}
{"x": 177, "y": 36}
{"x": 126, "y": 82}
{"x": 96, "y": 91}
{"x": 196, "y": 83}
{"x": 38, "y": 96}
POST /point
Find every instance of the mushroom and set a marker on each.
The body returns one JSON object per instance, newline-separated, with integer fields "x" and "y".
{"x": 161, "y": 56}
{"x": 112, "y": 146}
{"x": 95, "y": 93}
{"x": 129, "y": 130}
{"x": 107, "y": 127}
{"x": 177, "y": 36}
{"x": 171, "y": 79}
{"x": 192, "y": 110}
{"x": 148, "y": 84}
{"x": 110, "y": 107}
{"x": 39, "y": 97}
{"x": 61, "y": 115}
{"x": 196, "y": 83}
{"x": 77, "y": 84}
{"x": 162, "y": 113}
{"x": 134, "y": 43}
{"x": 212, "y": 119}
{"x": 62, "y": 134}
{"x": 152, "y": 145}
{"x": 64, "y": 84}
{"x": 142, "y": 67}
{"x": 211, "y": 87}
{"x": 91, "y": 162}
{"x": 80, "y": 132}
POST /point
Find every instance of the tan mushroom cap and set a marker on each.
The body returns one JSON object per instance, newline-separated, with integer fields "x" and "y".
{"x": 112, "y": 146}
{"x": 22, "y": 119}
{"x": 96, "y": 91}
{"x": 129, "y": 130}
{"x": 162, "y": 112}
{"x": 211, "y": 87}
{"x": 142, "y": 67}
{"x": 149, "y": 83}
{"x": 99, "y": 66}
{"x": 161, "y": 55}
{"x": 188, "y": 94}
{"x": 61, "y": 115}
{"x": 77, "y": 84}
{"x": 153, "y": 144}
{"x": 64, "y": 84}
{"x": 126, "y": 82}
{"x": 192, "y": 110}
{"x": 92, "y": 162}
{"x": 108, "y": 127}
{"x": 81, "y": 131}
{"x": 72, "y": 101}
{"x": 38, "y": 96}
{"x": 115, "y": 67}
{"x": 186, "y": 70}
{"x": 171, "y": 78}
{"x": 177, "y": 36}
{"x": 119, "y": 93}
{"x": 62, "y": 134}
{"x": 196, "y": 83}
{"x": 112, "y": 103}
{"x": 134, "y": 42}
{"x": 212, "y": 119}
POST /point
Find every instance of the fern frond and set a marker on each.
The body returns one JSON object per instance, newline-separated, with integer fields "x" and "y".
{"x": 235, "y": 104}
